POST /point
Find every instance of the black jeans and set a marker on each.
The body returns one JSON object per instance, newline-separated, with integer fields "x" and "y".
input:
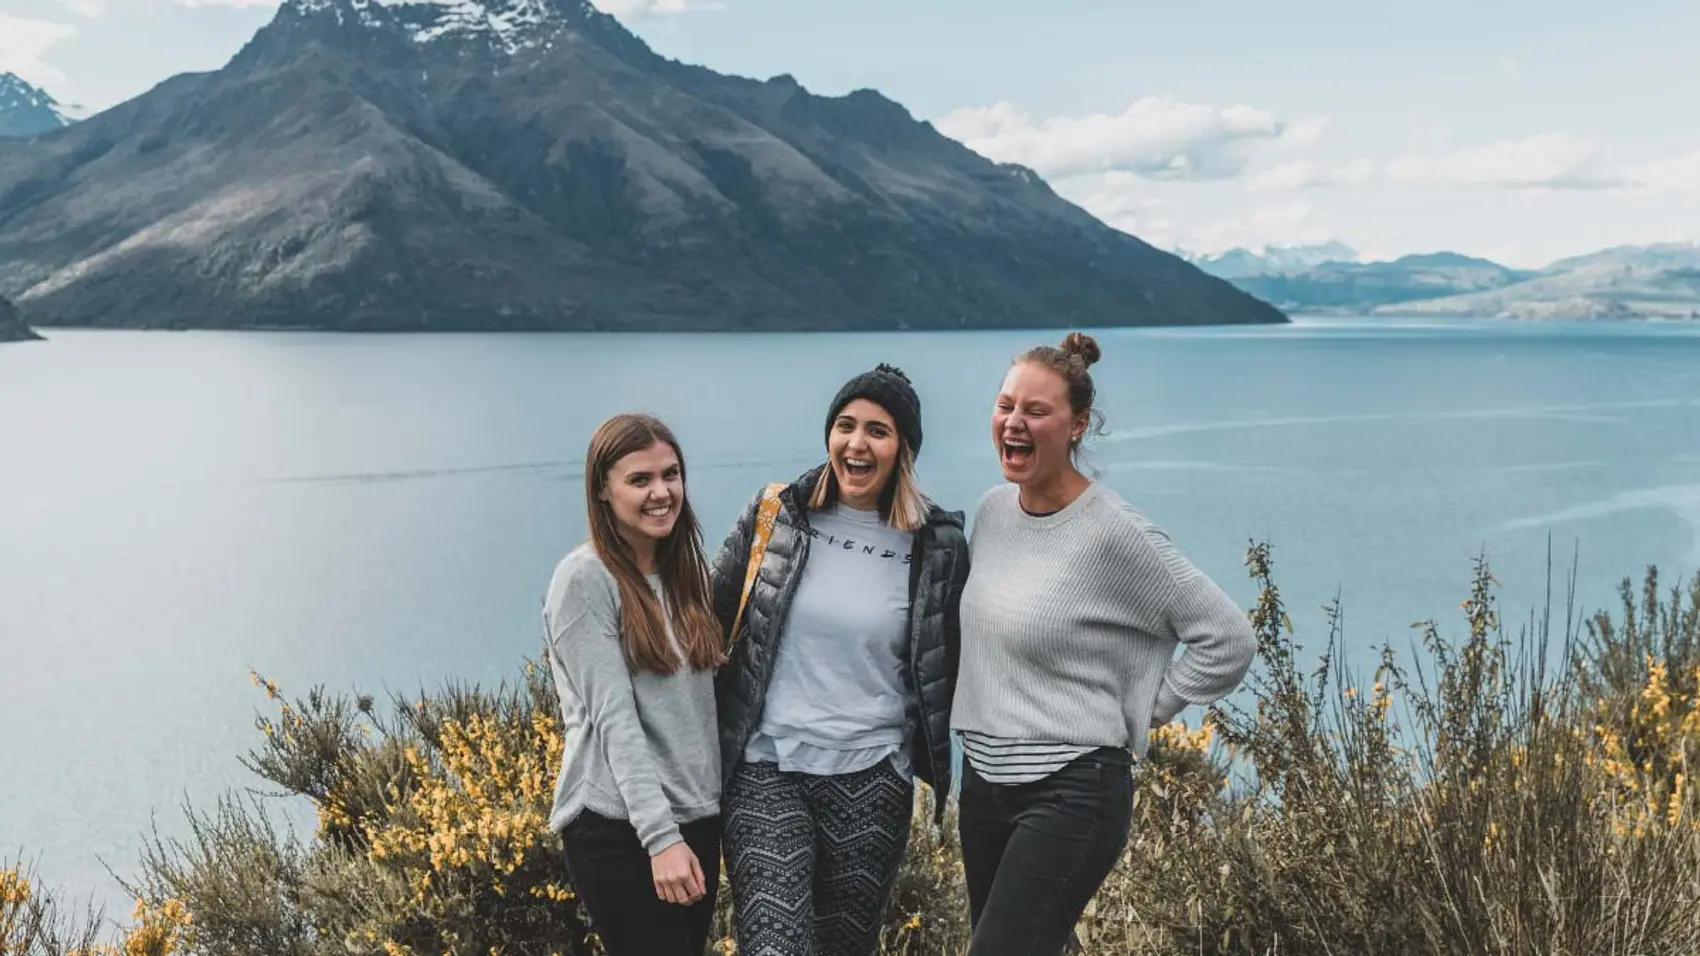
{"x": 1035, "y": 853}
{"x": 610, "y": 872}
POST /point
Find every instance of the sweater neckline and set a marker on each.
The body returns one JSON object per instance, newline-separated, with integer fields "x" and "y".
{"x": 1055, "y": 518}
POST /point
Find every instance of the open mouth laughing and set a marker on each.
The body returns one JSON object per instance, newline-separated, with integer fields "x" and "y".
{"x": 1017, "y": 452}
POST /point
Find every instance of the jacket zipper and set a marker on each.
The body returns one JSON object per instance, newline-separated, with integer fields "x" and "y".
{"x": 922, "y": 556}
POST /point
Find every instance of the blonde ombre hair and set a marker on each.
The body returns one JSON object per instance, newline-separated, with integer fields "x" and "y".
{"x": 901, "y": 503}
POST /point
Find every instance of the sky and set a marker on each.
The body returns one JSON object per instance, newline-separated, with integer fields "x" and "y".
{"x": 1521, "y": 131}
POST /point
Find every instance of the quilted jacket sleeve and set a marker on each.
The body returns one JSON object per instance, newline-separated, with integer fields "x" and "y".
{"x": 953, "y": 604}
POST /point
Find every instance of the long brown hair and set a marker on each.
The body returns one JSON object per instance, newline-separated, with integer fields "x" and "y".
{"x": 678, "y": 559}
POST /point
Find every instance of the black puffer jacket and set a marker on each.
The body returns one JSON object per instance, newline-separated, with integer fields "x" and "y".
{"x": 937, "y": 574}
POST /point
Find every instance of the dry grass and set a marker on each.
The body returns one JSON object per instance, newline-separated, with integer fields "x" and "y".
{"x": 1483, "y": 804}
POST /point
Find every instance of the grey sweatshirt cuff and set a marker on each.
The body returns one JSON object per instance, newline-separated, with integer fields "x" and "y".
{"x": 1168, "y": 705}
{"x": 662, "y": 838}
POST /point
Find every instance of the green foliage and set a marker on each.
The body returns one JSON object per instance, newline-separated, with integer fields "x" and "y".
{"x": 1478, "y": 804}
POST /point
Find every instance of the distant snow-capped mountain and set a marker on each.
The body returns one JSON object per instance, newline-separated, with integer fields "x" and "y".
{"x": 1241, "y": 262}
{"x": 26, "y": 110}
{"x": 1625, "y": 282}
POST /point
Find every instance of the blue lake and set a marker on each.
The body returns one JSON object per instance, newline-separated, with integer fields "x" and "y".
{"x": 382, "y": 513}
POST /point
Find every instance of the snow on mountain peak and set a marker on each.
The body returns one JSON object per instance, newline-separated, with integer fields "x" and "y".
{"x": 508, "y": 25}
{"x": 26, "y": 110}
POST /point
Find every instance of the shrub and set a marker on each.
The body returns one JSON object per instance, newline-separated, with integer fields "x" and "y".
{"x": 1484, "y": 803}
{"x": 34, "y": 923}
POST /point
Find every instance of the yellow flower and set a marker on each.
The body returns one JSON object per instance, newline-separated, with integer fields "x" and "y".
{"x": 14, "y": 889}
{"x": 160, "y": 928}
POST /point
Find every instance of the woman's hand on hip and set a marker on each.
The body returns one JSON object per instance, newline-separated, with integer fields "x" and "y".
{"x": 678, "y": 875}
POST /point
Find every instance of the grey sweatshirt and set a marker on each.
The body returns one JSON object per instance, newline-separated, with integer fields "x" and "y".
{"x": 640, "y": 747}
{"x": 1070, "y": 622}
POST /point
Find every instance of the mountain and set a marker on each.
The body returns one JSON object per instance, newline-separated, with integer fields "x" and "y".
{"x": 12, "y": 327}
{"x": 26, "y": 110}
{"x": 530, "y": 164}
{"x": 1358, "y": 287}
{"x": 1240, "y": 262}
{"x": 1660, "y": 256}
{"x": 1625, "y": 282}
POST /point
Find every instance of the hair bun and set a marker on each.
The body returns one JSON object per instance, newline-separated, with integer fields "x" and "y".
{"x": 1083, "y": 345}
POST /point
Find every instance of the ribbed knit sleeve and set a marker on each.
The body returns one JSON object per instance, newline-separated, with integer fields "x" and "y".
{"x": 1217, "y": 639}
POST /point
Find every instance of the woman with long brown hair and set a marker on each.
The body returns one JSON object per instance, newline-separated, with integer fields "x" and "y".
{"x": 632, "y": 645}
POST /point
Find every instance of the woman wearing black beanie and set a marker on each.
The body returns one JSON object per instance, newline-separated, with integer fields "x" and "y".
{"x": 839, "y": 593}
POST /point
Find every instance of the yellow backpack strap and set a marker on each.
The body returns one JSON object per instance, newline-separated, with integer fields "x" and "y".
{"x": 767, "y": 513}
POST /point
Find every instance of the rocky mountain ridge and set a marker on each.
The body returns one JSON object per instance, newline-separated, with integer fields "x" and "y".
{"x": 1627, "y": 282}
{"x": 1660, "y": 282}
{"x": 531, "y": 164}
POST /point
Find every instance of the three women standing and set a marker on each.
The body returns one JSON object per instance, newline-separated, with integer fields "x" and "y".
{"x": 842, "y": 670}
{"x": 849, "y": 606}
{"x": 1069, "y": 623}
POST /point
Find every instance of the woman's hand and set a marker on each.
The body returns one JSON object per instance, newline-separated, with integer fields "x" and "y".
{"x": 678, "y": 875}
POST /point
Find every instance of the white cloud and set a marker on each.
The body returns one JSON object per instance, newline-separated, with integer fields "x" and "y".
{"x": 23, "y": 42}
{"x": 1118, "y": 200}
{"x": 1543, "y": 161}
{"x": 634, "y": 8}
{"x": 1155, "y": 137}
{"x": 1428, "y": 132}
{"x": 1679, "y": 176}
{"x": 1289, "y": 224}
{"x": 87, "y": 9}
{"x": 1308, "y": 175}
{"x": 1551, "y": 161}
{"x": 238, "y": 4}
{"x": 1304, "y": 133}
{"x": 619, "y": 8}
{"x": 1125, "y": 201}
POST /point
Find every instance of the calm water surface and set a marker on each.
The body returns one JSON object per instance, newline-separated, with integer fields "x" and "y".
{"x": 382, "y": 513}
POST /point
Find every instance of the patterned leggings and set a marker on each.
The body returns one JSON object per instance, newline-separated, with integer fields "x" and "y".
{"x": 812, "y": 859}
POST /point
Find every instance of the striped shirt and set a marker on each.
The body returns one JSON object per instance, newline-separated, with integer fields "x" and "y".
{"x": 1070, "y": 626}
{"x": 1009, "y": 762}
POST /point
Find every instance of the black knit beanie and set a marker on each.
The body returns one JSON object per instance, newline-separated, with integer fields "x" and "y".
{"x": 887, "y": 387}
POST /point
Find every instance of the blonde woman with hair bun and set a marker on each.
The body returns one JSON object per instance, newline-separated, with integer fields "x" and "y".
{"x": 1071, "y": 616}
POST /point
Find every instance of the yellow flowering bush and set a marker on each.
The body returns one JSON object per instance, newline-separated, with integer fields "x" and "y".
{"x": 433, "y": 821}
{"x": 33, "y": 923}
{"x": 1642, "y": 670}
{"x": 16, "y": 895}
{"x": 158, "y": 928}
{"x": 1507, "y": 797}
